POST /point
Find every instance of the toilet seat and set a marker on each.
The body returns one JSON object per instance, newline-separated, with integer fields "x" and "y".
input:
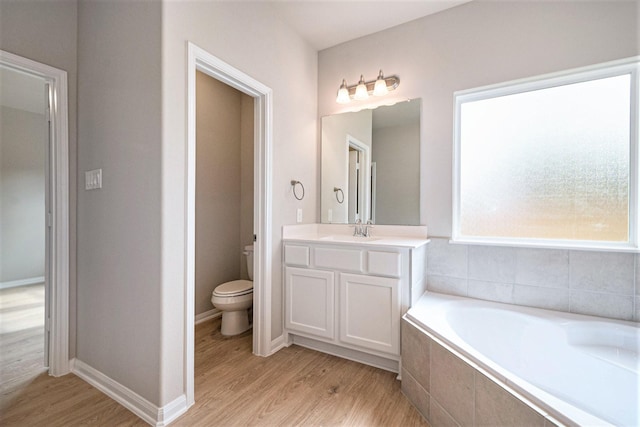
{"x": 234, "y": 288}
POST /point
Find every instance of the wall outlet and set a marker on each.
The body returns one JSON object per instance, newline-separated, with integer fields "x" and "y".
{"x": 93, "y": 179}
{"x": 299, "y": 215}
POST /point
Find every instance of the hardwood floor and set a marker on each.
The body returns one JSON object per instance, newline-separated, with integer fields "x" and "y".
{"x": 296, "y": 386}
{"x": 21, "y": 335}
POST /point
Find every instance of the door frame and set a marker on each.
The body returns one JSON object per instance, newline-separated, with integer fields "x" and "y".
{"x": 58, "y": 250}
{"x": 201, "y": 60}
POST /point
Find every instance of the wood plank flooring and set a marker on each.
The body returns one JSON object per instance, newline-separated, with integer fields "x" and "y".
{"x": 21, "y": 335}
{"x": 296, "y": 386}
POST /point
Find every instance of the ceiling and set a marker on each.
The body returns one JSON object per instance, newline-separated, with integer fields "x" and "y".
{"x": 323, "y": 23}
{"x": 327, "y": 23}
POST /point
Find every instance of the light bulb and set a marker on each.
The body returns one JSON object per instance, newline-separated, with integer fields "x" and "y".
{"x": 380, "y": 87}
{"x": 343, "y": 94}
{"x": 361, "y": 90}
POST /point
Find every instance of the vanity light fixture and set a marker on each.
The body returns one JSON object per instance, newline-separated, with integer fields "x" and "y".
{"x": 343, "y": 93}
{"x": 361, "y": 90}
{"x": 379, "y": 87}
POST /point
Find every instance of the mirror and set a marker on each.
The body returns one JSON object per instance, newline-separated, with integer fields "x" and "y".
{"x": 371, "y": 166}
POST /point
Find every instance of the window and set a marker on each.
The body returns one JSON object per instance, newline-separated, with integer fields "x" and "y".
{"x": 549, "y": 161}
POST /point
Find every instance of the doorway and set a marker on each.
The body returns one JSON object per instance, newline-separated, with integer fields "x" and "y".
{"x": 201, "y": 60}
{"x": 24, "y": 200}
{"x": 224, "y": 188}
{"x": 54, "y": 227}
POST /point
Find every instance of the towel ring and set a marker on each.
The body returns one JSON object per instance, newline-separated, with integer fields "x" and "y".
{"x": 294, "y": 183}
{"x": 338, "y": 191}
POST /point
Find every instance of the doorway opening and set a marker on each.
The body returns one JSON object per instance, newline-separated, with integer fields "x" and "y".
{"x": 51, "y": 88}
{"x": 202, "y": 61}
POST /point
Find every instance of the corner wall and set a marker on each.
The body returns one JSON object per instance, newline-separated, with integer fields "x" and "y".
{"x": 119, "y": 242}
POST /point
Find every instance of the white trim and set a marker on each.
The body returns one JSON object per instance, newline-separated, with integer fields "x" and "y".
{"x": 364, "y": 204}
{"x": 150, "y": 413}
{"x": 21, "y": 282}
{"x": 629, "y": 66}
{"x": 201, "y": 60}
{"x": 207, "y": 315}
{"x": 59, "y": 184}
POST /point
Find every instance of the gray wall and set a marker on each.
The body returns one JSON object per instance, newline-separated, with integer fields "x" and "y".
{"x": 22, "y": 185}
{"x": 119, "y": 242}
{"x": 397, "y": 174}
{"x": 223, "y": 159}
{"x": 477, "y": 44}
{"x": 47, "y": 32}
{"x": 472, "y": 45}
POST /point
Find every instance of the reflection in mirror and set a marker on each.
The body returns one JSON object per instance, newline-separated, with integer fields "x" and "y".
{"x": 371, "y": 166}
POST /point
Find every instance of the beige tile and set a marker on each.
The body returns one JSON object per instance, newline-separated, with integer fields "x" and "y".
{"x": 415, "y": 354}
{"x": 445, "y": 259}
{"x": 439, "y": 417}
{"x": 447, "y": 285}
{"x": 542, "y": 267}
{"x": 491, "y": 291}
{"x": 452, "y": 384}
{"x": 496, "y": 407}
{"x": 601, "y": 271}
{"x": 542, "y": 297}
{"x": 417, "y": 395}
{"x": 602, "y": 304}
{"x": 492, "y": 264}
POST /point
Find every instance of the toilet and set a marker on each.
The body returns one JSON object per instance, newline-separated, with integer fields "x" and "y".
{"x": 234, "y": 300}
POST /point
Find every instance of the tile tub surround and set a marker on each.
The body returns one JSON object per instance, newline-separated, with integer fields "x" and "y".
{"x": 453, "y": 392}
{"x": 604, "y": 284}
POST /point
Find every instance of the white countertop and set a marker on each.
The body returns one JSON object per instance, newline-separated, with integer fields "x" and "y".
{"x": 407, "y": 236}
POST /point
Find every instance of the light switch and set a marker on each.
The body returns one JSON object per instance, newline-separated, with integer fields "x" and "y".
{"x": 299, "y": 215}
{"x": 93, "y": 179}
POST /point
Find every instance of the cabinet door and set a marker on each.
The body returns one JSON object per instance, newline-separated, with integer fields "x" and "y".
{"x": 310, "y": 301}
{"x": 370, "y": 312}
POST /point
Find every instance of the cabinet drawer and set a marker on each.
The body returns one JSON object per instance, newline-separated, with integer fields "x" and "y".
{"x": 339, "y": 259}
{"x": 385, "y": 263}
{"x": 296, "y": 255}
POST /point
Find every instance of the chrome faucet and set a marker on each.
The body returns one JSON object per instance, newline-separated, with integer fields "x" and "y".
{"x": 357, "y": 228}
{"x": 366, "y": 229}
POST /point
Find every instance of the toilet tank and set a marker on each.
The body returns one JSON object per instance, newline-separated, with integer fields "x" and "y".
{"x": 248, "y": 251}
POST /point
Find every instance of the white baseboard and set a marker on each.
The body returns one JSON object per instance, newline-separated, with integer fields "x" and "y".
{"x": 21, "y": 282}
{"x": 147, "y": 411}
{"x": 278, "y": 344}
{"x": 211, "y": 314}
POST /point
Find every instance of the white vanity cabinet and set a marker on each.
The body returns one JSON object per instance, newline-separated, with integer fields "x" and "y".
{"x": 348, "y": 299}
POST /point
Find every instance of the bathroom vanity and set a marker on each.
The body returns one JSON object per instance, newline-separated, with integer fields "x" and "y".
{"x": 345, "y": 295}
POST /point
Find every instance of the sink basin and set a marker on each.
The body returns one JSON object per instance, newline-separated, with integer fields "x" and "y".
{"x": 347, "y": 238}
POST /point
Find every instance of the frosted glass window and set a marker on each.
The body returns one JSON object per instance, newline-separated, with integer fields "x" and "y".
{"x": 551, "y": 163}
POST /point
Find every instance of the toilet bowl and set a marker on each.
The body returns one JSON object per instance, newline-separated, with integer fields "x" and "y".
{"x": 234, "y": 300}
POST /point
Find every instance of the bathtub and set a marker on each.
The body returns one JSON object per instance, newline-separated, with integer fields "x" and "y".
{"x": 567, "y": 368}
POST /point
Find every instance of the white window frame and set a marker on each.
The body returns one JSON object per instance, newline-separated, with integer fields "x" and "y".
{"x": 629, "y": 66}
